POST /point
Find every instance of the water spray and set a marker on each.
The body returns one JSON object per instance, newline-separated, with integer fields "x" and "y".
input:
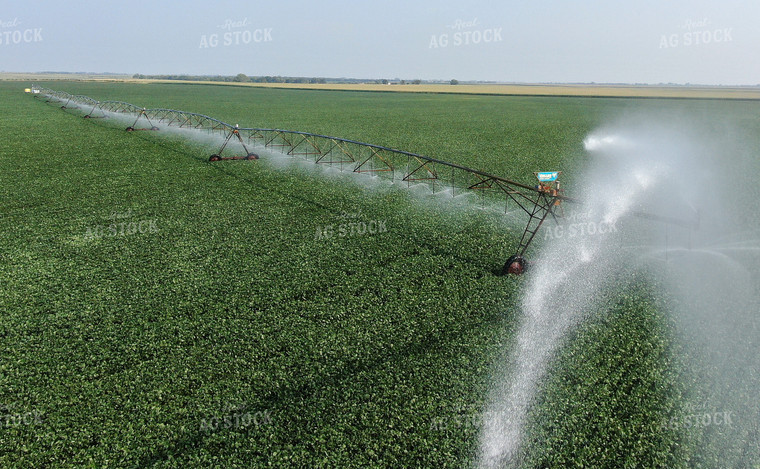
{"x": 634, "y": 171}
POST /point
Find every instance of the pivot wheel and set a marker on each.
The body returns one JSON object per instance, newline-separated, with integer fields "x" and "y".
{"x": 252, "y": 156}
{"x": 215, "y": 158}
{"x": 515, "y": 265}
{"x": 130, "y": 129}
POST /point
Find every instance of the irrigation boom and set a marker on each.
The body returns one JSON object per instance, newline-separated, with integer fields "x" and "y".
{"x": 538, "y": 202}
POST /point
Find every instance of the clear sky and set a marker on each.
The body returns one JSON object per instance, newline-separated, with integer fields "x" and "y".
{"x": 624, "y": 41}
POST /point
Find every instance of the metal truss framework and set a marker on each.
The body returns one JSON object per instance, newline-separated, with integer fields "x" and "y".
{"x": 349, "y": 155}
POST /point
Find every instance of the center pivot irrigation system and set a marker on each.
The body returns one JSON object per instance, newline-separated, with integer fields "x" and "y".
{"x": 539, "y": 201}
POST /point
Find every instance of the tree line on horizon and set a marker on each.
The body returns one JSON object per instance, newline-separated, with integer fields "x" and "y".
{"x": 243, "y": 78}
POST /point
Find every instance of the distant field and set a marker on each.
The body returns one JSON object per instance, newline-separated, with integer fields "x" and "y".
{"x": 542, "y": 90}
{"x": 60, "y": 76}
{"x": 585, "y": 90}
{"x": 227, "y": 333}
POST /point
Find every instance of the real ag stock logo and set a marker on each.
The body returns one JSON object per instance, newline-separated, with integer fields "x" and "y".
{"x": 699, "y": 417}
{"x": 121, "y": 224}
{"x": 236, "y": 417}
{"x": 237, "y": 32}
{"x": 459, "y": 421}
{"x": 11, "y": 417}
{"x": 351, "y": 225}
{"x": 12, "y": 33}
{"x": 696, "y": 33}
{"x": 577, "y": 225}
{"x": 465, "y": 33}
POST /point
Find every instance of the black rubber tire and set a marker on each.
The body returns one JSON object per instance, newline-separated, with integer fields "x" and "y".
{"x": 130, "y": 129}
{"x": 154, "y": 128}
{"x": 512, "y": 260}
{"x": 215, "y": 158}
